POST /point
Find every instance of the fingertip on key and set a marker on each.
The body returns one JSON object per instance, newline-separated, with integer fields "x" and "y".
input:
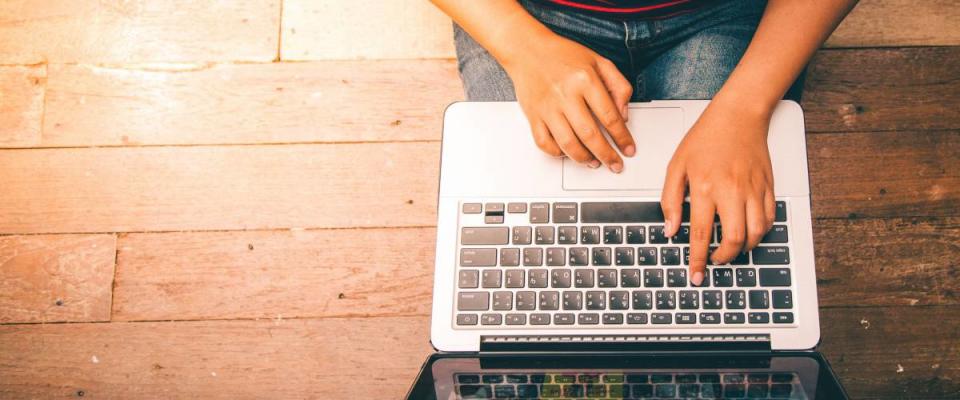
{"x": 697, "y": 278}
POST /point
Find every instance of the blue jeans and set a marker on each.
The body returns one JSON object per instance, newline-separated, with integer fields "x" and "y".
{"x": 685, "y": 57}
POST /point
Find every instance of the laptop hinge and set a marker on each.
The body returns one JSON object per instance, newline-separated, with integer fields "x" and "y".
{"x": 620, "y": 343}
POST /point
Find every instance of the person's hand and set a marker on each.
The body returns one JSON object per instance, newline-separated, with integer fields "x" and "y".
{"x": 725, "y": 161}
{"x": 565, "y": 89}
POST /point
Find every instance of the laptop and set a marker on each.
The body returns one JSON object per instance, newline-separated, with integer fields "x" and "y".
{"x": 554, "y": 280}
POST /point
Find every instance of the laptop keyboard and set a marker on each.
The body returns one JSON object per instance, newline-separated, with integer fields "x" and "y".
{"x": 664, "y": 385}
{"x": 609, "y": 264}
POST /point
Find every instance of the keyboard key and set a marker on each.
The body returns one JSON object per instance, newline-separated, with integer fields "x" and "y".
{"x": 539, "y": 213}
{"x": 666, "y": 391}
{"x": 503, "y": 301}
{"x": 612, "y": 235}
{"x": 537, "y": 278}
{"x": 636, "y": 234}
{"x": 601, "y": 256}
{"x": 544, "y": 235}
{"x": 688, "y": 391}
{"x": 709, "y": 318}
{"x": 565, "y": 213}
{"x": 583, "y": 278}
{"x": 596, "y": 300}
{"x": 539, "y": 319}
{"x": 560, "y": 278}
{"x": 783, "y": 317}
{"x": 474, "y": 236}
{"x": 661, "y": 318}
{"x": 494, "y": 208}
{"x": 759, "y": 299}
{"x": 781, "y": 212}
{"x": 501, "y": 391}
{"x": 590, "y": 235}
{"x": 509, "y": 257}
{"x": 550, "y": 391}
{"x": 722, "y": 277}
{"x": 642, "y": 300}
{"x": 709, "y": 378}
{"x": 757, "y": 391}
{"x": 782, "y": 299}
{"x": 666, "y": 300}
{"x": 473, "y": 301}
{"x": 475, "y": 391}
{"x": 572, "y": 300}
{"x": 493, "y": 219}
{"x": 689, "y": 300}
{"x": 758, "y": 378}
{"x": 646, "y": 256}
{"x": 623, "y": 256}
{"x": 492, "y": 278}
{"x": 468, "y": 279}
{"x": 467, "y": 319}
{"x": 774, "y": 277}
{"x": 758, "y": 318}
{"x": 567, "y": 235}
{"x": 588, "y": 319}
{"x": 771, "y": 255}
{"x": 657, "y": 235}
{"x": 741, "y": 259}
{"x": 522, "y": 235}
{"x": 653, "y": 278}
{"x": 746, "y": 277}
{"x": 686, "y": 318}
{"x": 686, "y": 378}
{"x": 514, "y": 279}
{"x": 630, "y": 278}
{"x": 777, "y": 234}
{"x": 607, "y": 278}
{"x": 682, "y": 236}
{"x": 677, "y": 277}
{"x": 642, "y": 390}
{"x": 516, "y": 379}
{"x": 734, "y": 390}
{"x": 781, "y": 378}
{"x": 579, "y": 256}
{"x": 491, "y": 319}
{"x": 526, "y": 301}
{"x": 517, "y": 208}
{"x": 467, "y": 379}
{"x": 781, "y": 391}
{"x": 563, "y": 319}
{"x": 556, "y": 256}
{"x": 612, "y": 319}
{"x": 472, "y": 208}
{"x": 478, "y": 257}
{"x": 550, "y": 300}
{"x": 532, "y": 256}
{"x": 619, "y": 300}
{"x": 736, "y": 299}
{"x": 636, "y": 319}
{"x": 733, "y": 318}
{"x": 670, "y": 255}
{"x": 712, "y": 300}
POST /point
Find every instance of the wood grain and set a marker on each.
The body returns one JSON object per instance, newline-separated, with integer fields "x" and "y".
{"x": 895, "y": 261}
{"x": 319, "y": 358}
{"x": 883, "y": 89}
{"x": 888, "y": 23}
{"x": 331, "y": 29}
{"x": 359, "y": 358}
{"x": 21, "y": 104}
{"x": 326, "y": 273}
{"x": 115, "y": 31}
{"x": 885, "y": 174}
{"x": 249, "y": 103}
{"x": 56, "y": 278}
{"x": 213, "y": 188}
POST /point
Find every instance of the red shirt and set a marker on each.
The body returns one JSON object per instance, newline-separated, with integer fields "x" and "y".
{"x": 642, "y": 9}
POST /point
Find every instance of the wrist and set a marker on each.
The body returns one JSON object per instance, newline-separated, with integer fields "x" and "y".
{"x": 512, "y": 53}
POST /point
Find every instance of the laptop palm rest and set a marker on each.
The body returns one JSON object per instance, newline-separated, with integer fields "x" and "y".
{"x": 657, "y": 132}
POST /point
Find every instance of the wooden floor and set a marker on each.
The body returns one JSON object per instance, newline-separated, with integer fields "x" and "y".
{"x": 236, "y": 199}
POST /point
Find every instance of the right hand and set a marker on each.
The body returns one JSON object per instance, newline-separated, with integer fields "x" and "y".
{"x": 564, "y": 89}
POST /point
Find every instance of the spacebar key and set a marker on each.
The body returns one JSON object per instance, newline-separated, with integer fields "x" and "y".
{"x": 484, "y": 235}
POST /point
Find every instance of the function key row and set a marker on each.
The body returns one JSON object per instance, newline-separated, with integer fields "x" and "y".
{"x": 569, "y": 212}
{"x": 595, "y": 234}
{"x": 680, "y": 318}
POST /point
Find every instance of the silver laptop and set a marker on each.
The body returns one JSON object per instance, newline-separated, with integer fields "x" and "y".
{"x": 541, "y": 255}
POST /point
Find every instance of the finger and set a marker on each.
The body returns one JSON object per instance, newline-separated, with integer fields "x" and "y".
{"x": 544, "y": 140}
{"x": 671, "y": 199}
{"x": 619, "y": 87}
{"x": 611, "y": 118}
{"x": 582, "y": 122}
{"x": 733, "y": 221}
{"x": 769, "y": 207}
{"x": 702, "y": 210}
{"x": 756, "y": 221}
{"x": 568, "y": 142}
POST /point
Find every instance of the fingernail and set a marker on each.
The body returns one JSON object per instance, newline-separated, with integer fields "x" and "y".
{"x": 594, "y": 164}
{"x": 629, "y": 151}
{"x": 697, "y": 278}
{"x": 616, "y": 167}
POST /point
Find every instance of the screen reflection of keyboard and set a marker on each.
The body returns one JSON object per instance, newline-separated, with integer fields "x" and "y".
{"x": 627, "y": 385}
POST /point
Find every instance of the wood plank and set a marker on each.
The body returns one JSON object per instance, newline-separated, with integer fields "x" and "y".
{"x": 313, "y": 358}
{"x": 56, "y": 278}
{"x": 896, "y": 261}
{"x": 376, "y": 358}
{"x": 882, "y": 23}
{"x": 222, "y": 275}
{"x": 67, "y": 31}
{"x": 885, "y": 174}
{"x": 249, "y": 103}
{"x": 883, "y": 89}
{"x": 214, "y": 188}
{"x": 331, "y": 29}
{"x": 21, "y": 104}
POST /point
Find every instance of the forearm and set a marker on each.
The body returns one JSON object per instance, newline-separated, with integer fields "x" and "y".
{"x": 503, "y": 27}
{"x": 789, "y": 33}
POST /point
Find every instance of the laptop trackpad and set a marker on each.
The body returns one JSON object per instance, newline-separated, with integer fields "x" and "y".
{"x": 657, "y": 132}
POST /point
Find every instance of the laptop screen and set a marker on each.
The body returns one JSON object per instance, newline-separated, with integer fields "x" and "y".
{"x": 587, "y": 376}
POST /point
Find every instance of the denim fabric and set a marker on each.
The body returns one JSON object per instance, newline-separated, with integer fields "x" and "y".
{"x": 688, "y": 56}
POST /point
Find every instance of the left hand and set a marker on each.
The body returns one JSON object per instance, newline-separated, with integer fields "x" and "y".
{"x": 725, "y": 161}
